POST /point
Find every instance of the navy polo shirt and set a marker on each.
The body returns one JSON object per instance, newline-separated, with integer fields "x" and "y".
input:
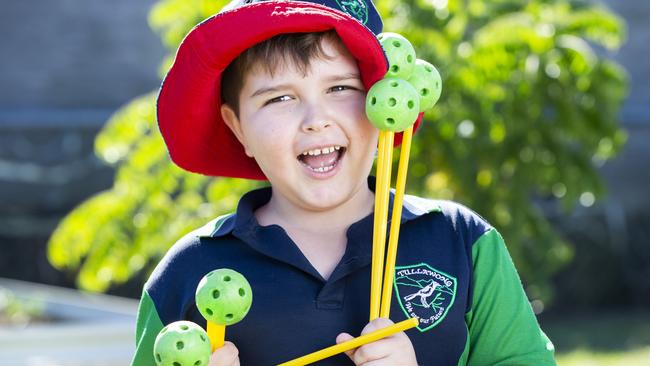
{"x": 295, "y": 311}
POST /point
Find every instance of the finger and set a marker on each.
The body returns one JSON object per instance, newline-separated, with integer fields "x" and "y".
{"x": 228, "y": 354}
{"x": 372, "y": 352}
{"x": 376, "y": 324}
{"x": 343, "y": 337}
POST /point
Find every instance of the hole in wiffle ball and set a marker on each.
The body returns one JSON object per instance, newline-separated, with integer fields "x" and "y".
{"x": 428, "y": 68}
{"x": 229, "y": 316}
{"x": 180, "y": 345}
{"x": 393, "y": 84}
{"x": 216, "y": 294}
{"x": 437, "y": 85}
{"x": 242, "y": 293}
{"x": 209, "y": 311}
{"x": 397, "y": 44}
{"x": 184, "y": 327}
{"x": 373, "y": 101}
{"x": 392, "y": 102}
{"x": 197, "y": 363}
{"x": 176, "y": 364}
{"x": 226, "y": 278}
{"x": 409, "y": 59}
{"x": 410, "y": 104}
{"x": 203, "y": 338}
{"x": 390, "y": 121}
{"x": 424, "y": 91}
{"x": 158, "y": 357}
{"x": 394, "y": 68}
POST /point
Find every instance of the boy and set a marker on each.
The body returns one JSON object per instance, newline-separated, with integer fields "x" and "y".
{"x": 276, "y": 90}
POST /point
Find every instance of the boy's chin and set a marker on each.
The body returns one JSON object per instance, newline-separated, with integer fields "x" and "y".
{"x": 324, "y": 200}
{"x": 321, "y": 198}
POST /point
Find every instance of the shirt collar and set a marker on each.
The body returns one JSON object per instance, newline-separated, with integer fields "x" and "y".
{"x": 272, "y": 241}
{"x": 413, "y": 207}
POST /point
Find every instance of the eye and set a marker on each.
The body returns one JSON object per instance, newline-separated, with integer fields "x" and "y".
{"x": 339, "y": 88}
{"x": 282, "y": 98}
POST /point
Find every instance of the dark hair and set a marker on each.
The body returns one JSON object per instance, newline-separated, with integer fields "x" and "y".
{"x": 295, "y": 49}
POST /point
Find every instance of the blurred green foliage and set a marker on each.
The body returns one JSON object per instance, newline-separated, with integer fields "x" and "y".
{"x": 15, "y": 311}
{"x": 119, "y": 232}
{"x": 528, "y": 112}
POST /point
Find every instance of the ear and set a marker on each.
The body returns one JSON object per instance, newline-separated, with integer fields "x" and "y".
{"x": 232, "y": 121}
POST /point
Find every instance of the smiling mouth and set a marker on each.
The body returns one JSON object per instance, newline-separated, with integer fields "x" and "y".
{"x": 322, "y": 160}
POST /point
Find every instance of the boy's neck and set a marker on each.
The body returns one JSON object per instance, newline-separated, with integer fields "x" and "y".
{"x": 282, "y": 212}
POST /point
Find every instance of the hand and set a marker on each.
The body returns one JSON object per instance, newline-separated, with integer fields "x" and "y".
{"x": 395, "y": 350}
{"x": 227, "y": 355}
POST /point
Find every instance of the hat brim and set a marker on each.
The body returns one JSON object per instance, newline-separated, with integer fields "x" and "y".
{"x": 189, "y": 102}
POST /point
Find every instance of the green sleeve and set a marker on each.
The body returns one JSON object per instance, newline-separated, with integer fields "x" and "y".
{"x": 502, "y": 328}
{"x": 148, "y": 325}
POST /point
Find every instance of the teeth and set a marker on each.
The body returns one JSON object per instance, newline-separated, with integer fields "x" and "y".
{"x": 326, "y": 150}
{"x": 323, "y": 169}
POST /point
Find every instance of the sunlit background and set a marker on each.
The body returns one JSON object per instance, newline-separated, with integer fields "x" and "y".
{"x": 543, "y": 128}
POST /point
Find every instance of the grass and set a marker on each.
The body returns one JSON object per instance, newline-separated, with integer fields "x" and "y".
{"x": 586, "y": 357}
{"x": 600, "y": 339}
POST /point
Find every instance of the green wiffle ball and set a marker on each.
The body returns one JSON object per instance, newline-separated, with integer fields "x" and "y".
{"x": 224, "y": 296}
{"x": 182, "y": 343}
{"x": 428, "y": 83}
{"x": 400, "y": 54}
{"x": 392, "y": 104}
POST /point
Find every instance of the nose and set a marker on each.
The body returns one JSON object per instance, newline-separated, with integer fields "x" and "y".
{"x": 316, "y": 119}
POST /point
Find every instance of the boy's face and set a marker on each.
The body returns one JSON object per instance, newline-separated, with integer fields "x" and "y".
{"x": 288, "y": 116}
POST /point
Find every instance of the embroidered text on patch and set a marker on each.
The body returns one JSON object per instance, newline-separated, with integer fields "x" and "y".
{"x": 425, "y": 293}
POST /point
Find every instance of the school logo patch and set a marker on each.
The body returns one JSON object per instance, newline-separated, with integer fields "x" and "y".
{"x": 356, "y": 8}
{"x": 425, "y": 293}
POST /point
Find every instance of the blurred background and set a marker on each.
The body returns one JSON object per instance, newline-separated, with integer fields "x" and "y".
{"x": 542, "y": 128}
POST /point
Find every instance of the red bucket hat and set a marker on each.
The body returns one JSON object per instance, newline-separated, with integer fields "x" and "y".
{"x": 189, "y": 102}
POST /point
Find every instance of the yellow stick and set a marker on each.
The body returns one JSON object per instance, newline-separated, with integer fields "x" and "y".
{"x": 375, "y": 275}
{"x": 352, "y": 343}
{"x": 380, "y": 219}
{"x": 391, "y": 254}
{"x": 217, "y": 335}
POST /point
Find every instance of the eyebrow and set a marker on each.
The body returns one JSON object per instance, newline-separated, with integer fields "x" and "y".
{"x": 348, "y": 76}
{"x": 334, "y": 78}
{"x": 269, "y": 89}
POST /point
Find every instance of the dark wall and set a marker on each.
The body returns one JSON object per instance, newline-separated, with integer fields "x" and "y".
{"x": 634, "y": 56}
{"x": 93, "y": 54}
{"x": 65, "y": 67}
